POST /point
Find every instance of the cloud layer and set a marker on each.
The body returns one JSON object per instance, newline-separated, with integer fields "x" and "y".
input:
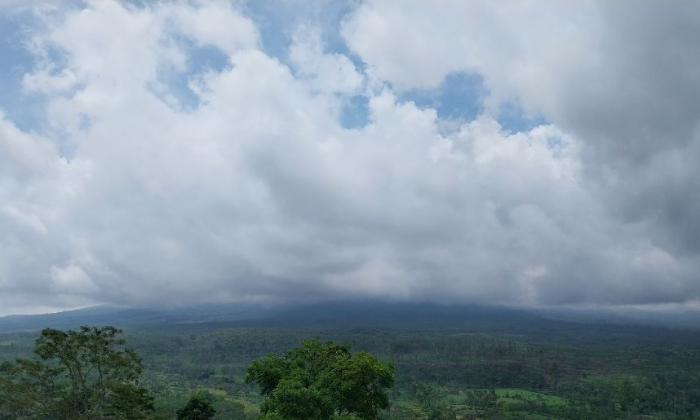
{"x": 179, "y": 159}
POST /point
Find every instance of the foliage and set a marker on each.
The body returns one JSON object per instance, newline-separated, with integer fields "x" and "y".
{"x": 76, "y": 375}
{"x": 228, "y": 410}
{"x": 197, "y": 408}
{"x": 321, "y": 381}
{"x": 538, "y": 369}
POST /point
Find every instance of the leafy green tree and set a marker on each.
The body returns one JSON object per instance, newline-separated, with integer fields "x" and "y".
{"x": 77, "y": 375}
{"x": 229, "y": 410}
{"x": 197, "y": 408}
{"x": 320, "y": 381}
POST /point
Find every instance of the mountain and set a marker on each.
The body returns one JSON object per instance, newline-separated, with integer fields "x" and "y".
{"x": 124, "y": 317}
{"x": 335, "y": 313}
{"x": 350, "y": 314}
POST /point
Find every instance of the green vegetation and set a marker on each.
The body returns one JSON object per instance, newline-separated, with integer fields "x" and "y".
{"x": 76, "y": 375}
{"x": 443, "y": 371}
{"x": 321, "y": 381}
{"x": 197, "y": 408}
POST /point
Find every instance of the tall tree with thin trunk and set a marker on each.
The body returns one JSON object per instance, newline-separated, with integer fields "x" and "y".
{"x": 87, "y": 374}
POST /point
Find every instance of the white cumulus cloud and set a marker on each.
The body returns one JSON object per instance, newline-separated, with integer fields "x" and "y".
{"x": 256, "y": 190}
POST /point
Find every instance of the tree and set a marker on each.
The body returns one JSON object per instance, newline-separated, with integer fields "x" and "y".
{"x": 320, "y": 381}
{"x": 229, "y": 410}
{"x": 77, "y": 375}
{"x": 197, "y": 408}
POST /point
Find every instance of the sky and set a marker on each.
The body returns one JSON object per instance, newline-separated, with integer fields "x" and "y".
{"x": 521, "y": 153}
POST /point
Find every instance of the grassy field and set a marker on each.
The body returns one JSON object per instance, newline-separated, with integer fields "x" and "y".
{"x": 517, "y": 395}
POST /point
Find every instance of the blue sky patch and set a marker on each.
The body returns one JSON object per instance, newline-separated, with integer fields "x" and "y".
{"x": 25, "y": 110}
{"x": 200, "y": 59}
{"x": 355, "y": 112}
{"x": 513, "y": 118}
{"x": 460, "y": 97}
{"x": 278, "y": 20}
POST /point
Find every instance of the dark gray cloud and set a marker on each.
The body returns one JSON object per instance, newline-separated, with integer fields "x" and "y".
{"x": 620, "y": 77}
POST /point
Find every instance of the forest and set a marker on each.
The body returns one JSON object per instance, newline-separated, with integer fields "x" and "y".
{"x": 480, "y": 365}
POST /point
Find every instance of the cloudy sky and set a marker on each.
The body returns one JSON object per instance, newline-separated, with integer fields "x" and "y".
{"x": 529, "y": 153}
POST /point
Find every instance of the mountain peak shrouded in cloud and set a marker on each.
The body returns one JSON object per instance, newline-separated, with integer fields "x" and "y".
{"x": 200, "y": 152}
